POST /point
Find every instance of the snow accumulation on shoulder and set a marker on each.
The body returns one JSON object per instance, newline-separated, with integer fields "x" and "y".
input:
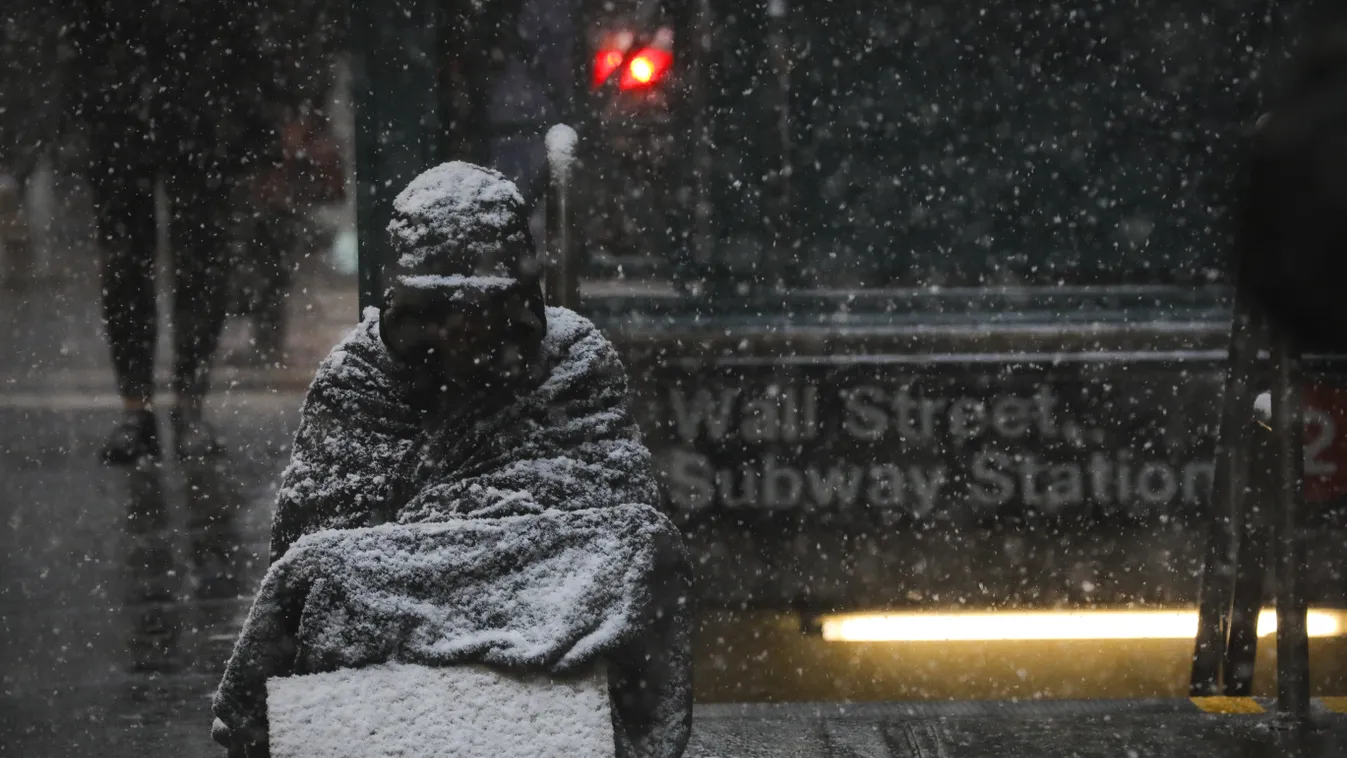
{"x": 561, "y": 142}
{"x": 451, "y": 201}
{"x": 469, "y": 711}
{"x": 565, "y": 326}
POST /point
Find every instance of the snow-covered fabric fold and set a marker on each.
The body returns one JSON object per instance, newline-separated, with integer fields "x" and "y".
{"x": 549, "y": 592}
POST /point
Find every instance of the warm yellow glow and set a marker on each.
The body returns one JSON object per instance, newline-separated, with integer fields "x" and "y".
{"x": 1045, "y": 625}
{"x": 1321, "y": 623}
{"x": 642, "y": 70}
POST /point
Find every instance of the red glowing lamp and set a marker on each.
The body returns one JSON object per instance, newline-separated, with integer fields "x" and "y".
{"x": 644, "y": 69}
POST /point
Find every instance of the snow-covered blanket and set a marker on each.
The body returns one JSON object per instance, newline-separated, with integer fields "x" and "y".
{"x": 517, "y": 532}
{"x": 367, "y": 452}
{"x": 548, "y": 592}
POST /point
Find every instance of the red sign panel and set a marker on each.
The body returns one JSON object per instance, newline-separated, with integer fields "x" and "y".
{"x": 1325, "y": 443}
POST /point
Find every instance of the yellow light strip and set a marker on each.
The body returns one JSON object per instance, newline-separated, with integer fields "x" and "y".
{"x": 1045, "y": 625}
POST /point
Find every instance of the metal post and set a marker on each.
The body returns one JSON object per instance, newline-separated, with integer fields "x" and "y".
{"x": 1251, "y": 566}
{"x": 1227, "y": 496}
{"x": 1293, "y": 647}
{"x": 703, "y": 241}
{"x": 779, "y": 54}
{"x": 393, "y": 57}
{"x": 369, "y": 250}
{"x": 562, "y": 281}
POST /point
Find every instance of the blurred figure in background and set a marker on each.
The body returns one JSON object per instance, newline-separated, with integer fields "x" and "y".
{"x": 1292, "y": 246}
{"x": 28, "y": 107}
{"x": 15, "y": 240}
{"x": 304, "y": 173}
{"x": 189, "y": 94}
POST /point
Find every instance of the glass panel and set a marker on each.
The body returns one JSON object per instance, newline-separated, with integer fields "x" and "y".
{"x": 927, "y": 145}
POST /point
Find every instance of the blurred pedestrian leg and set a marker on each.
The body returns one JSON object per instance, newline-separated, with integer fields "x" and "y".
{"x": 124, "y": 199}
{"x": 272, "y": 244}
{"x": 176, "y": 95}
{"x": 124, "y": 206}
{"x": 28, "y": 104}
{"x": 304, "y": 174}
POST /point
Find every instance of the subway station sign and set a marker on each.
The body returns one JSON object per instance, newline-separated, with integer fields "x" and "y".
{"x": 953, "y": 443}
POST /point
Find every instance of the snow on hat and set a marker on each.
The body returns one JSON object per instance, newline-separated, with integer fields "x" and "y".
{"x": 461, "y": 225}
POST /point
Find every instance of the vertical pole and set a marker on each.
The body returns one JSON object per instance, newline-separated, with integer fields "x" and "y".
{"x": 1293, "y": 648}
{"x": 394, "y": 84}
{"x": 1227, "y": 497}
{"x": 563, "y": 287}
{"x": 703, "y": 242}
{"x": 369, "y": 252}
{"x": 1251, "y": 567}
{"x": 779, "y": 52}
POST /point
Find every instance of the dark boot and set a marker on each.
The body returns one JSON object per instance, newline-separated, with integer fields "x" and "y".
{"x": 135, "y": 437}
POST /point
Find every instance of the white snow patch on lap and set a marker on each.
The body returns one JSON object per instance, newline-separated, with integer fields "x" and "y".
{"x": 469, "y": 711}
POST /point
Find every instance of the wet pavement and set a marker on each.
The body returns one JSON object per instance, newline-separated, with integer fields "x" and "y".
{"x": 121, "y": 590}
{"x": 1127, "y": 729}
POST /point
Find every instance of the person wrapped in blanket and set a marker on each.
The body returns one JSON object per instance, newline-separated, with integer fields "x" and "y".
{"x": 468, "y": 486}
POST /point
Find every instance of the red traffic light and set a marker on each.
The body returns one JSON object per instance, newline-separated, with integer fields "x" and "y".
{"x": 605, "y": 63}
{"x": 644, "y": 69}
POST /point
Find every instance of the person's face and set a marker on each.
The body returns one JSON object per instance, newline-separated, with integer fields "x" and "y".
{"x": 463, "y": 341}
